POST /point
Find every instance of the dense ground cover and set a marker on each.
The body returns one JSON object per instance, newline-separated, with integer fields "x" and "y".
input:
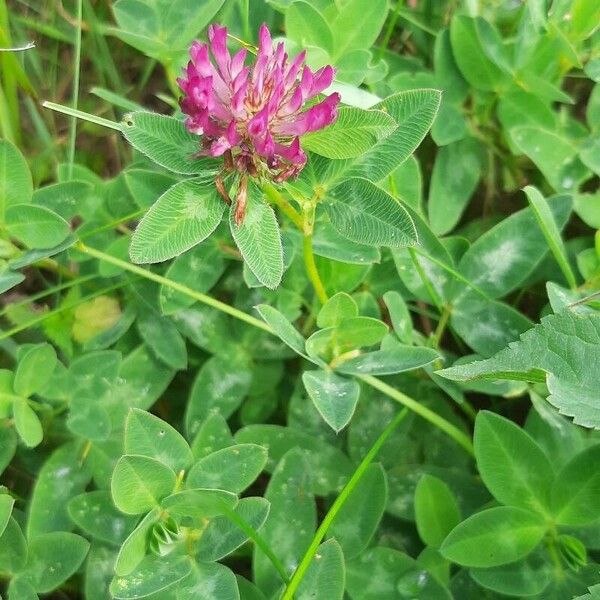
{"x": 269, "y": 335}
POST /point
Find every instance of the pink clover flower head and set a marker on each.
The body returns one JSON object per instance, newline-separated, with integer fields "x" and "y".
{"x": 254, "y": 115}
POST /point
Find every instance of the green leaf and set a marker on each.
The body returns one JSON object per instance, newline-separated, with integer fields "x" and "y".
{"x": 6, "y": 506}
{"x": 329, "y": 466}
{"x": 209, "y": 581}
{"x": 13, "y": 548}
{"x": 16, "y": 186}
{"x": 576, "y": 490}
{"x": 284, "y": 330}
{"x": 200, "y": 504}
{"x": 259, "y": 239}
{"x": 220, "y": 386}
{"x": 20, "y": 589}
{"x": 354, "y": 132}
{"x": 135, "y": 546}
{"x": 551, "y": 232}
{"x": 357, "y": 24}
{"x": 9, "y": 279}
{"x": 387, "y": 574}
{"x": 325, "y": 578}
{"x": 53, "y": 558}
{"x": 358, "y": 519}
{"x": 513, "y": 467}
{"x": 34, "y": 369}
{"x": 163, "y": 338}
{"x": 233, "y": 468}
{"x": 494, "y": 537}
{"x": 551, "y": 352}
{"x": 182, "y": 217}
{"x": 147, "y": 435}
{"x": 213, "y": 434}
{"x": 96, "y": 515}
{"x": 469, "y": 52}
{"x": 364, "y": 213}
{"x": 414, "y": 112}
{"x": 167, "y": 142}
{"x": 436, "y": 510}
{"x": 27, "y": 423}
{"x": 585, "y": 17}
{"x": 139, "y": 483}
{"x": 554, "y": 155}
{"x": 502, "y": 258}
{"x": 399, "y": 316}
{"x": 36, "y": 226}
{"x": 526, "y": 577}
{"x": 334, "y": 397}
{"x": 454, "y": 178}
{"x": 292, "y": 509}
{"x": 339, "y": 307}
{"x": 62, "y": 476}
{"x": 397, "y": 359}
{"x": 222, "y": 535}
{"x": 153, "y": 575}
{"x": 199, "y": 269}
{"x": 307, "y": 27}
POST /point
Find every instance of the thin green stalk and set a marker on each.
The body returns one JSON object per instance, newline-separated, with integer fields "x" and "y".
{"x": 75, "y": 96}
{"x": 300, "y": 571}
{"x": 276, "y": 198}
{"x": 456, "y": 434}
{"x": 67, "y": 110}
{"x": 259, "y": 541}
{"x": 47, "y": 292}
{"x": 435, "y": 297}
{"x": 58, "y": 310}
{"x": 390, "y": 29}
{"x": 442, "y": 324}
{"x": 183, "y": 289}
{"x": 246, "y": 18}
{"x": 311, "y": 269}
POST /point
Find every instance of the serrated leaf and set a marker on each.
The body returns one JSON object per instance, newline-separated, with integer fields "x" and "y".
{"x": 182, "y": 217}
{"x": 259, "y": 239}
{"x": 414, "y": 112}
{"x": 552, "y": 351}
{"x": 364, "y": 213}
{"x": 334, "y": 397}
{"x": 36, "y": 226}
{"x": 494, "y": 537}
{"x": 353, "y": 133}
{"x": 167, "y": 142}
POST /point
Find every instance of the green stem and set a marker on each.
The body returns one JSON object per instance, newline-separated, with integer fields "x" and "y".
{"x": 456, "y": 434}
{"x": 413, "y": 405}
{"x": 259, "y": 541}
{"x": 442, "y": 324}
{"x": 73, "y": 123}
{"x": 300, "y": 572}
{"x": 390, "y": 29}
{"x": 276, "y": 198}
{"x": 183, "y": 289}
{"x": 67, "y": 110}
{"x": 311, "y": 269}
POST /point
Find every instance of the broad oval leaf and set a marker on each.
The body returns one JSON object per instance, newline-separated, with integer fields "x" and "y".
{"x": 353, "y": 133}
{"x": 167, "y": 142}
{"x": 34, "y": 369}
{"x": 16, "y": 186}
{"x": 36, "y": 226}
{"x": 325, "y": 578}
{"x": 233, "y": 468}
{"x": 364, "y": 213}
{"x": 334, "y": 397}
{"x": 209, "y": 581}
{"x": 339, "y": 307}
{"x": 259, "y": 239}
{"x": 147, "y": 435}
{"x": 397, "y": 359}
{"x": 182, "y": 217}
{"x": 494, "y": 537}
{"x": 139, "y": 483}
{"x": 514, "y": 468}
